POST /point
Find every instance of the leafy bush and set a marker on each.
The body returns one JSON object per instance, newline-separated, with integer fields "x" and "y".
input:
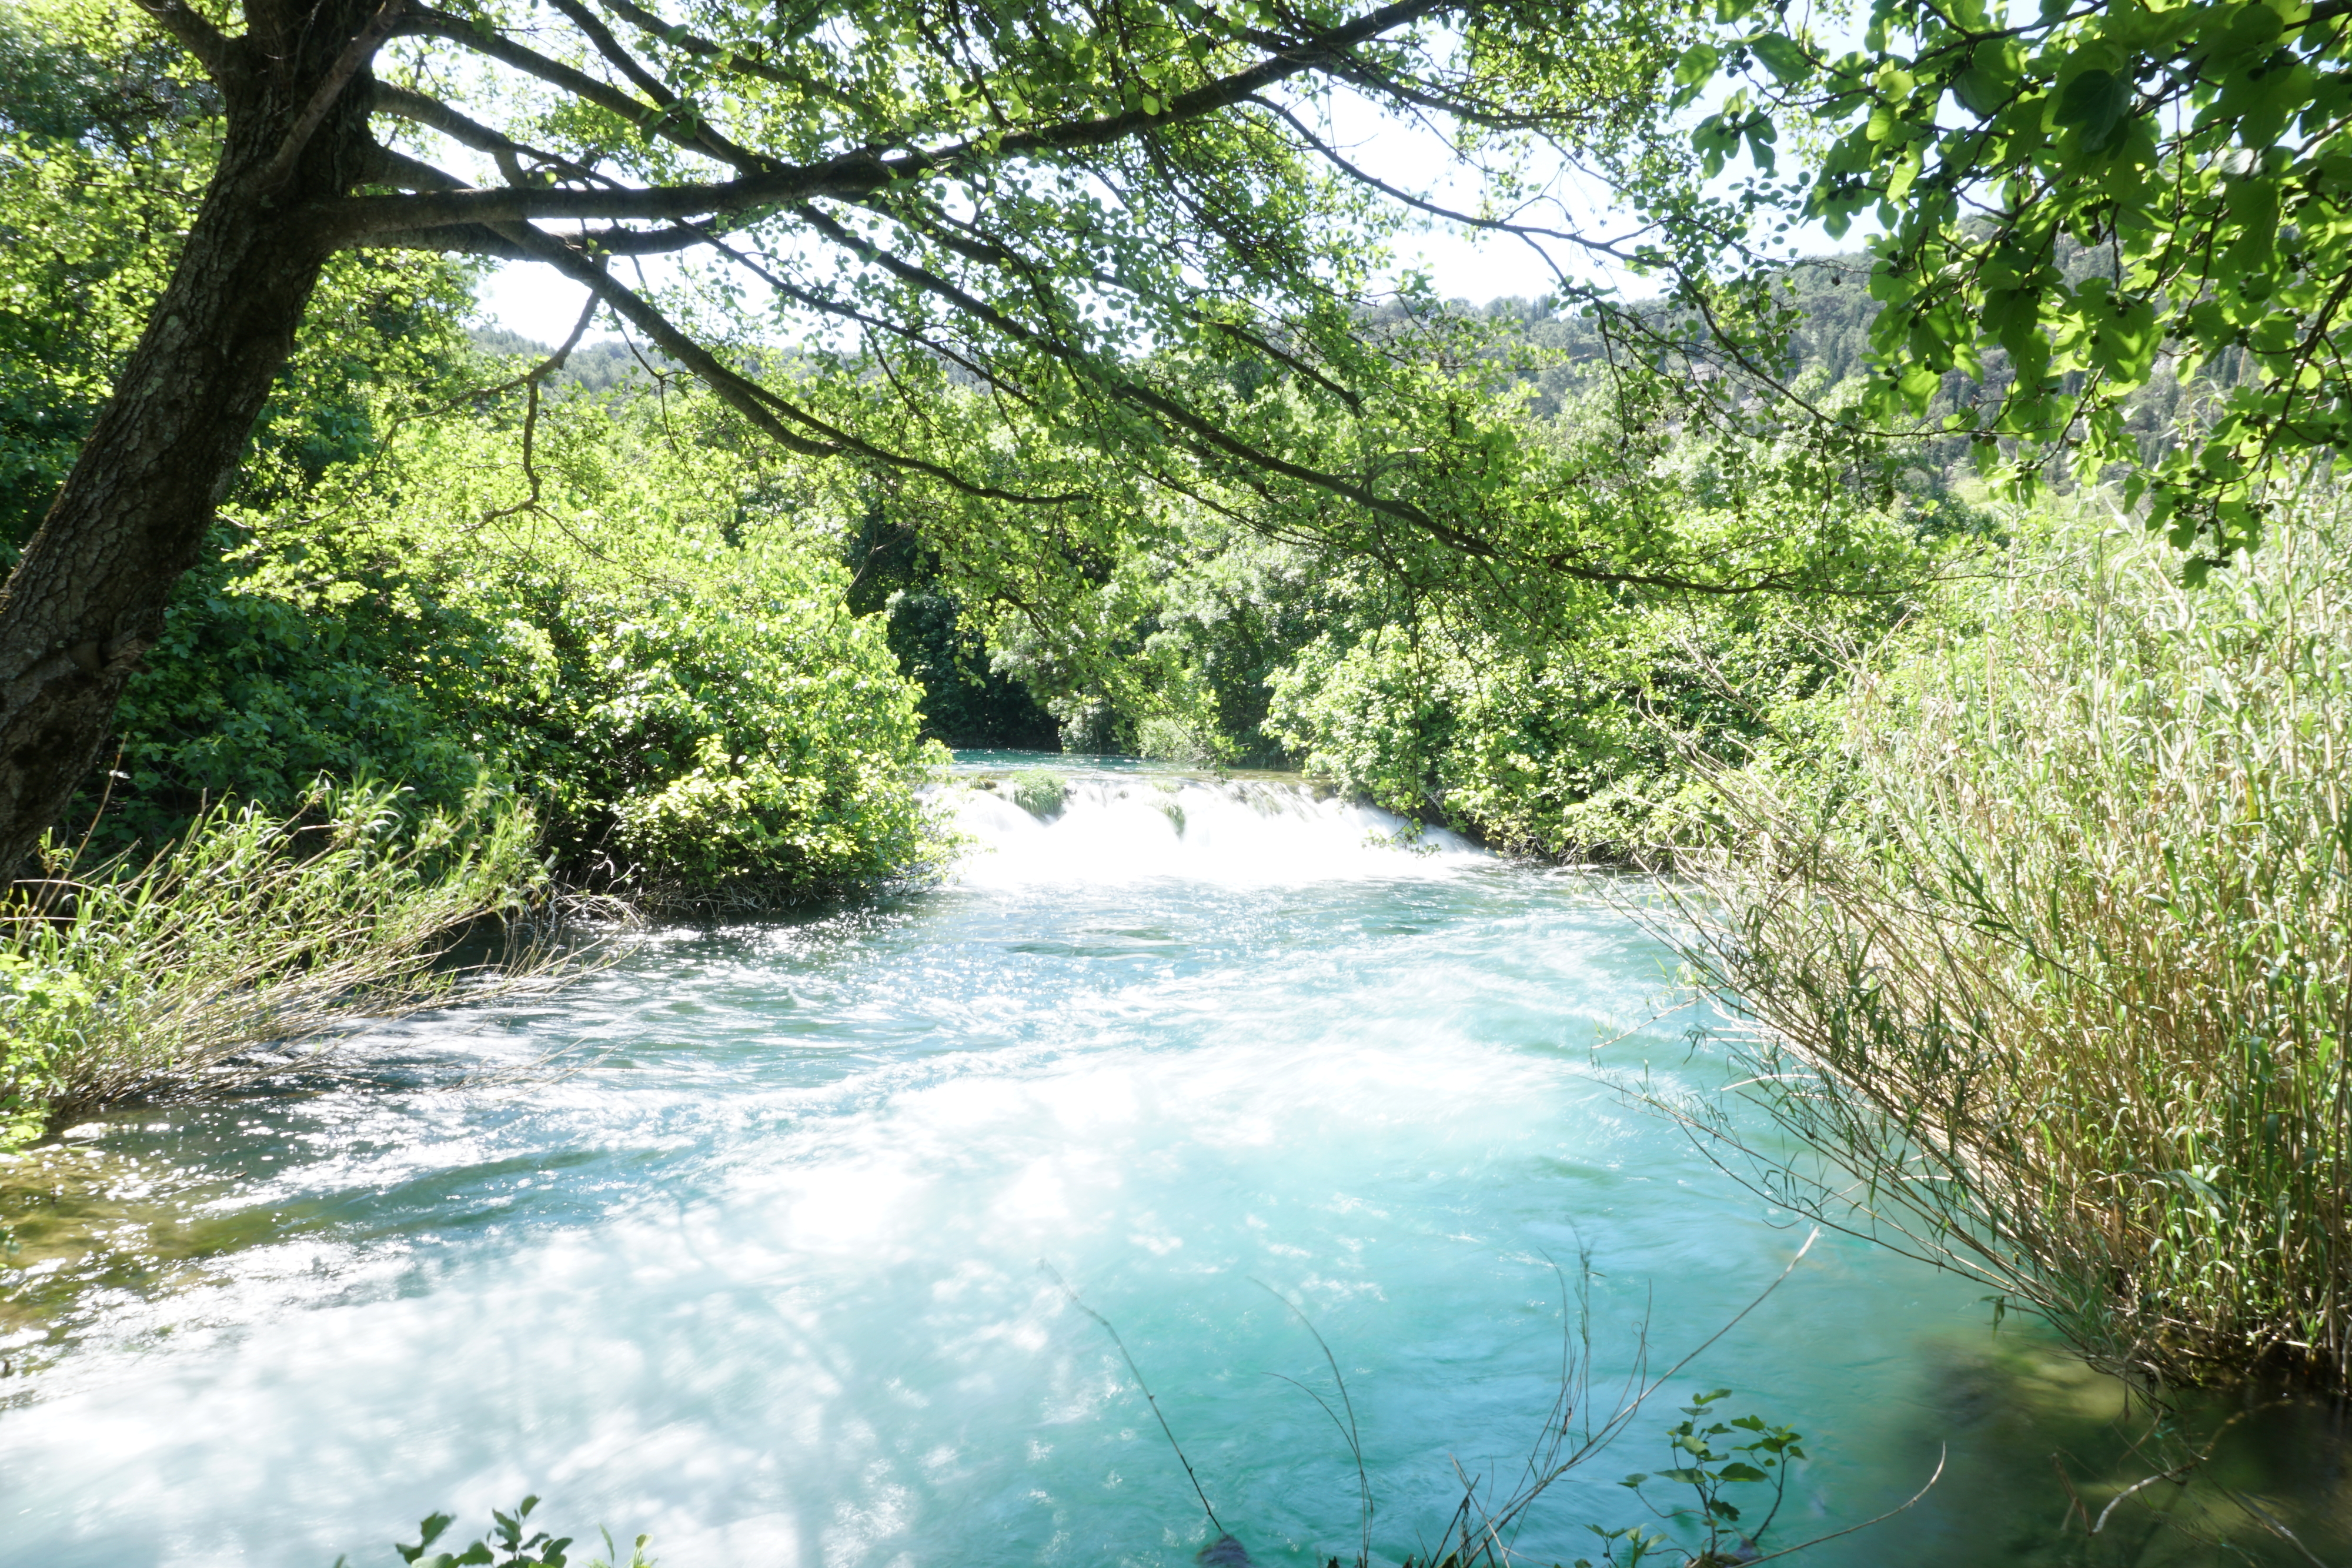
{"x": 254, "y": 928}
{"x": 280, "y": 662}
{"x": 2055, "y": 948}
{"x": 1571, "y": 747}
{"x": 654, "y": 653}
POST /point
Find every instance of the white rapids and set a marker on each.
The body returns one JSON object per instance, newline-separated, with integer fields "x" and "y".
{"x": 1242, "y": 833}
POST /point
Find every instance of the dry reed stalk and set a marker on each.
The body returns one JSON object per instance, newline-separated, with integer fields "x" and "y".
{"x": 2050, "y": 972}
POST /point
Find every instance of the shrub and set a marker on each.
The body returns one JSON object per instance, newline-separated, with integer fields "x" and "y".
{"x": 2056, "y": 953}
{"x": 654, "y": 653}
{"x": 1567, "y": 747}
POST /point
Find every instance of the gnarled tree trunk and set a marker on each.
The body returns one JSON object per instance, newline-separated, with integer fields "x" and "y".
{"x": 87, "y": 598}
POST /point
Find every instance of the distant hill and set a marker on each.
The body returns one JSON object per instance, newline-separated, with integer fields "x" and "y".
{"x": 593, "y": 367}
{"x": 1832, "y": 343}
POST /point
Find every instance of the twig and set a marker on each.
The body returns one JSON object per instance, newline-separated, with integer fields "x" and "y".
{"x": 1051, "y": 1273}
{"x": 2184, "y": 1466}
{"x": 2258, "y": 1511}
{"x": 1942, "y": 1455}
{"x": 531, "y": 381}
{"x": 1355, "y": 1443}
{"x": 2075, "y": 1507}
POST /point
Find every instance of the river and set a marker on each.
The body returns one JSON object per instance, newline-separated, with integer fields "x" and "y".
{"x": 765, "y": 1262}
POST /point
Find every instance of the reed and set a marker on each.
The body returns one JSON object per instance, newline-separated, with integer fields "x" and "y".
{"x": 2049, "y": 971}
{"x": 125, "y": 980}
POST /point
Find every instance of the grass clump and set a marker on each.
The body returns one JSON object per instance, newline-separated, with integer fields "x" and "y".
{"x": 2055, "y": 955}
{"x": 251, "y": 929}
{"x": 1042, "y": 795}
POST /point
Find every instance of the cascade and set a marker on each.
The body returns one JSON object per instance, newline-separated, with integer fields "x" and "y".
{"x": 1111, "y": 828}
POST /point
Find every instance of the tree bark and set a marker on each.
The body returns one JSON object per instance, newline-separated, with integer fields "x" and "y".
{"x": 87, "y": 599}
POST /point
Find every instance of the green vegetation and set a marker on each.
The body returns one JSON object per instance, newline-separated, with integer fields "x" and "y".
{"x": 2201, "y": 152}
{"x": 251, "y": 929}
{"x": 642, "y": 634}
{"x": 511, "y": 1542}
{"x": 564, "y": 637}
{"x": 1753, "y": 1463}
{"x": 629, "y": 668}
{"x": 1068, "y": 411}
{"x": 2047, "y": 926}
{"x": 106, "y": 143}
{"x": 1040, "y": 795}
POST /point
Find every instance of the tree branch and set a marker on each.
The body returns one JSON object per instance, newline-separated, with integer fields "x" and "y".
{"x": 348, "y": 64}
{"x": 430, "y": 112}
{"x": 483, "y": 239}
{"x": 213, "y": 48}
{"x": 425, "y": 21}
{"x": 848, "y": 176}
{"x": 728, "y": 60}
{"x": 1500, "y": 226}
{"x": 748, "y": 398}
{"x": 653, "y": 87}
{"x": 1204, "y": 431}
{"x": 394, "y": 168}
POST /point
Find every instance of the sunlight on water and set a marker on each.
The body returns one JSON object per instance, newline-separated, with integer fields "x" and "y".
{"x": 761, "y": 1273}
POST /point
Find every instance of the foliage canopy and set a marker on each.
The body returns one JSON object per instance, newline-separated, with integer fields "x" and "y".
{"x": 2201, "y": 151}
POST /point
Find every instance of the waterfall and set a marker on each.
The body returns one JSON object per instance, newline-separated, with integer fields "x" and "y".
{"x": 1113, "y": 828}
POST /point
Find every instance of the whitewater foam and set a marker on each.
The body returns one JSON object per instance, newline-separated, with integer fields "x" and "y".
{"x": 1236, "y": 832}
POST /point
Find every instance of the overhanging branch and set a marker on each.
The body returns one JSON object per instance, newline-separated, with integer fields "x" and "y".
{"x": 764, "y": 408}
{"x": 416, "y": 108}
{"x": 848, "y": 176}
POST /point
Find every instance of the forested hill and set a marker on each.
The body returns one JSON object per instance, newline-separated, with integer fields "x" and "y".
{"x": 1831, "y": 345}
{"x": 597, "y": 366}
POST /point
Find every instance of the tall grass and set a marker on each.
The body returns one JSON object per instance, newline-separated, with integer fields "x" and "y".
{"x": 2051, "y": 970}
{"x": 124, "y": 980}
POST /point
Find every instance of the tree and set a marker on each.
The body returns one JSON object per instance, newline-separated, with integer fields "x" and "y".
{"x": 2201, "y": 149}
{"x": 107, "y": 140}
{"x": 1015, "y": 201}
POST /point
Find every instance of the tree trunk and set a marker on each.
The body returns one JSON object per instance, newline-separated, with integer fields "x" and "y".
{"x": 87, "y": 600}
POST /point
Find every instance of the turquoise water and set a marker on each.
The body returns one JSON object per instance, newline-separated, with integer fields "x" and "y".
{"x": 759, "y": 1271}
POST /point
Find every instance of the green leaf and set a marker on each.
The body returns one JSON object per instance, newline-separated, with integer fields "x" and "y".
{"x": 1697, "y": 63}
{"x": 1782, "y": 57}
{"x": 2096, "y": 103}
{"x": 430, "y": 1527}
